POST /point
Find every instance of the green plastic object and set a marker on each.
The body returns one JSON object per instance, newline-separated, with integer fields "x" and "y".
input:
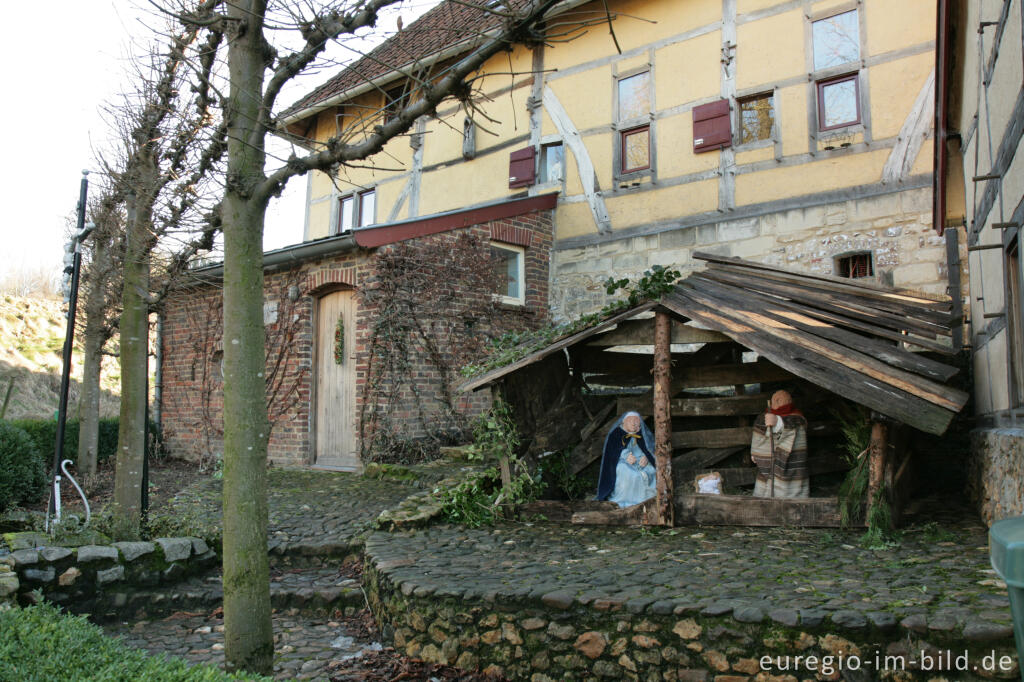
{"x": 1006, "y": 550}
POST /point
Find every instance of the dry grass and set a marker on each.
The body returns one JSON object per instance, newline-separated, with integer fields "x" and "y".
{"x": 31, "y": 340}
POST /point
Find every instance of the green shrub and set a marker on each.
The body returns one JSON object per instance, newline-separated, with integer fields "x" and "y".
{"x": 41, "y": 644}
{"x": 43, "y": 433}
{"x": 22, "y": 475}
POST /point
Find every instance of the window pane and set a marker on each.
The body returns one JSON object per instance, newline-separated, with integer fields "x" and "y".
{"x": 839, "y": 103}
{"x": 636, "y": 149}
{"x": 348, "y": 204}
{"x": 506, "y": 270}
{"x": 634, "y": 97}
{"x": 836, "y": 40}
{"x": 551, "y": 163}
{"x": 366, "y": 207}
{"x": 757, "y": 116}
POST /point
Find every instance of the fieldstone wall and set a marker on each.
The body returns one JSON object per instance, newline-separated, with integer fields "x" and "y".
{"x": 552, "y": 636}
{"x": 95, "y": 577}
{"x": 996, "y": 473}
{"x": 896, "y": 228}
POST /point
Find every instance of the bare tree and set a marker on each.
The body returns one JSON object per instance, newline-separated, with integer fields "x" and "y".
{"x": 257, "y": 73}
{"x": 101, "y": 283}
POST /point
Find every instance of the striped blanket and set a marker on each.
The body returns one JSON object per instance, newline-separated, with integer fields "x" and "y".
{"x": 791, "y": 475}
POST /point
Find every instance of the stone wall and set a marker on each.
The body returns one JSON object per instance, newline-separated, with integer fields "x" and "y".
{"x": 896, "y": 228}
{"x": 547, "y": 636}
{"x": 996, "y": 472}
{"x": 95, "y": 578}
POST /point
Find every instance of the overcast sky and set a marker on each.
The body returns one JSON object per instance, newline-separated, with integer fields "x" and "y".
{"x": 65, "y": 59}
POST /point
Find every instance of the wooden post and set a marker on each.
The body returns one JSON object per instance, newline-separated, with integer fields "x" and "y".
{"x": 503, "y": 463}
{"x": 877, "y": 452}
{"x": 663, "y": 513}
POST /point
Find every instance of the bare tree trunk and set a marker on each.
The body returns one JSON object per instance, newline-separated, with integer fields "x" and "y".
{"x": 248, "y": 632}
{"x": 134, "y": 327}
{"x": 95, "y": 337}
{"x": 664, "y": 514}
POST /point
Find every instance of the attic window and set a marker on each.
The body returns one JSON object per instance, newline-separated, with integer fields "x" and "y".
{"x": 395, "y": 99}
{"x": 855, "y": 265}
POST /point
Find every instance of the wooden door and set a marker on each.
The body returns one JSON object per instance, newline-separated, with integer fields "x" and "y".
{"x": 335, "y": 400}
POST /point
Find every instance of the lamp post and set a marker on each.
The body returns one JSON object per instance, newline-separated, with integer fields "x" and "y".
{"x": 72, "y": 268}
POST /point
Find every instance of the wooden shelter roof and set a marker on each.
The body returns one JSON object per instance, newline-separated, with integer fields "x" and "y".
{"x": 838, "y": 333}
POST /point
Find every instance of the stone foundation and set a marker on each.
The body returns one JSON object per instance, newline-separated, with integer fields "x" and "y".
{"x": 94, "y": 578}
{"x": 552, "y": 636}
{"x": 896, "y": 228}
{"x": 996, "y": 473}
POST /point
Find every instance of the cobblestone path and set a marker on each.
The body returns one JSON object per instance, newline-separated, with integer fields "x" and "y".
{"x": 937, "y": 578}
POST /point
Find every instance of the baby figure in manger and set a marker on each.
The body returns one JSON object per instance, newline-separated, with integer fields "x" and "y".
{"x": 628, "y": 476}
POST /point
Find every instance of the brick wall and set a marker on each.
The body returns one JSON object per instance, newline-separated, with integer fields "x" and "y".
{"x": 192, "y": 383}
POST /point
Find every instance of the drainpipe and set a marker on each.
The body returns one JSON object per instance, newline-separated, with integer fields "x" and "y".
{"x": 158, "y": 380}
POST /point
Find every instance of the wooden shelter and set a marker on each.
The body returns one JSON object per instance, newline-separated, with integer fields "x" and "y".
{"x": 700, "y": 359}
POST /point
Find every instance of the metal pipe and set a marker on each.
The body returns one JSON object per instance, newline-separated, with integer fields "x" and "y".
{"x": 65, "y": 379}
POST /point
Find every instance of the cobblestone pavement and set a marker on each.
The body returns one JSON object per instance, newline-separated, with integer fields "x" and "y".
{"x": 312, "y": 513}
{"x": 304, "y": 647}
{"x": 937, "y": 578}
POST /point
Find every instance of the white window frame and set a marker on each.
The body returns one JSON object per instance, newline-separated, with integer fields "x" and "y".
{"x": 357, "y": 209}
{"x": 521, "y": 265}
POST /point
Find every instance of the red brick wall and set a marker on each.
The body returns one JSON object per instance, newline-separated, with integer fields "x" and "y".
{"x": 192, "y": 387}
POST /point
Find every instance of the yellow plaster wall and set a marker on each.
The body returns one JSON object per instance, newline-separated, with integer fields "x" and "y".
{"x": 696, "y": 74}
{"x": 675, "y": 148}
{"x": 896, "y": 25}
{"x": 762, "y": 57}
{"x": 894, "y": 87}
{"x": 319, "y": 219}
{"x": 465, "y": 184}
{"x": 574, "y": 220}
{"x": 631, "y": 209}
{"x": 1007, "y": 76}
{"x": 747, "y": 6}
{"x": 817, "y": 176}
{"x": 791, "y": 106}
{"x": 594, "y": 87}
{"x": 755, "y": 155}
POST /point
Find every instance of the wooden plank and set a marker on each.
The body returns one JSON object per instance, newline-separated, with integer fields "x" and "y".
{"x": 830, "y": 303}
{"x": 638, "y": 514}
{"x": 813, "y": 367}
{"x": 741, "y": 510}
{"x": 630, "y": 380}
{"x": 724, "y": 406}
{"x": 887, "y": 301}
{"x": 924, "y": 298}
{"x": 712, "y": 438}
{"x": 921, "y": 387}
{"x": 758, "y": 372}
{"x": 562, "y": 510}
{"x": 497, "y": 373}
{"x": 738, "y": 476}
{"x": 601, "y": 361}
{"x": 705, "y": 457}
{"x": 728, "y": 305}
{"x": 663, "y": 418}
{"x": 590, "y": 448}
{"x": 878, "y": 452}
{"x": 893, "y": 355}
{"x": 641, "y": 332}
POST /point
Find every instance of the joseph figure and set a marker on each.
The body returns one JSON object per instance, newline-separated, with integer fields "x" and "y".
{"x": 786, "y": 427}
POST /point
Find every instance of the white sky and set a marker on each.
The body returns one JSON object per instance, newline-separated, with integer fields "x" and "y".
{"x": 60, "y": 70}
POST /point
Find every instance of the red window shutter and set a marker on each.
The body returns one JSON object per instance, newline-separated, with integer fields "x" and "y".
{"x": 712, "y": 127}
{"x": 521, "y": 167}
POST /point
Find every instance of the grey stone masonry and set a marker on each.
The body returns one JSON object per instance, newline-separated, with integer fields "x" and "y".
{"x": 175, "y": 549}
{"x": 90, "y": 553}
{"x": 133, "y": 550}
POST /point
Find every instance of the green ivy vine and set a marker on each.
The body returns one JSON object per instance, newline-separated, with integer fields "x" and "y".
{"x": 339, "y": 341}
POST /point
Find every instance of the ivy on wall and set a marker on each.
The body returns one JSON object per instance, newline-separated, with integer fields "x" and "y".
{"x": 433, "y": 312}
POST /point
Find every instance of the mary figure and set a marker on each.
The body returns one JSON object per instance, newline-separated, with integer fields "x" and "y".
{"x": 628, "y": 475}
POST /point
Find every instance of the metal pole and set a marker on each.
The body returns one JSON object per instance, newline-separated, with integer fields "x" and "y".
{"x": 65, "y": 379}
{"x": 771, "y": 444}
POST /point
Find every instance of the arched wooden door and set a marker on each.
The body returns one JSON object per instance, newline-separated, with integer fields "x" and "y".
{"x": 335, "y": 398}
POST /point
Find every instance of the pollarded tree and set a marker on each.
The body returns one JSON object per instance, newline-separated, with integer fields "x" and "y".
{"x": 257, "y": 72}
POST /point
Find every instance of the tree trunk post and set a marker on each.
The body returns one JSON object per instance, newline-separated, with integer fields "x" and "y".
{"x": 877, "y": 451}
{"x": 663, "y": 418}
{"x": 134, "y": 331}
{"x": 248, "y": 630}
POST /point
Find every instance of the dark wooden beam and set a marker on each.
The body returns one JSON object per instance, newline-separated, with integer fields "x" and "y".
{"x": 641, "y": 332}
{"x": 740, "y": 510}
{"x": 724, "y": 406}
{"x": 662, "y": 373}
{"x": 712, "y": 438}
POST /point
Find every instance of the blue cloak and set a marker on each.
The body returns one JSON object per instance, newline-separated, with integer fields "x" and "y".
{"x": 613, "y": 445}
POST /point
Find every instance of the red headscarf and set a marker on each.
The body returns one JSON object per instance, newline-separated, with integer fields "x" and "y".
{"x": 782, "y": 405}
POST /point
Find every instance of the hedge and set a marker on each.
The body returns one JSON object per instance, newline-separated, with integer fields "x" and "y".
{"x": 43, "y": 433}
{"x": 39, "y": 644}
{"x": 22, "y": 470}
